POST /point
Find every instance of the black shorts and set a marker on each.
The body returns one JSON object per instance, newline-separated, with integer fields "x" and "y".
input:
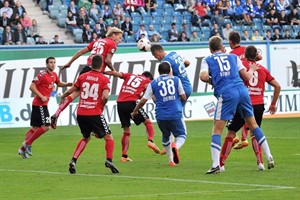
{"x": 94, "y": 123}
{"x": 85, "y": 69}
{"x": 40, "y": 116}
{"x": 238, "y": 122}
{"x": 124, "y": 111}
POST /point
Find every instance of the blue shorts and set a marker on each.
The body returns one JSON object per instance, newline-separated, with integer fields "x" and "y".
{"x": 231, "y": 101}
{"x": 175, "y": 127}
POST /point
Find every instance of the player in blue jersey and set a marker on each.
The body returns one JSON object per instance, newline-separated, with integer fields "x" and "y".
{"x": 169, "y": 94}
{"x": 226, "y": 72}
{"x": 177, "y": 64}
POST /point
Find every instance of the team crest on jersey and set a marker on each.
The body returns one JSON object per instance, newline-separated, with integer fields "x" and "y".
{"x": 113, "y": 50}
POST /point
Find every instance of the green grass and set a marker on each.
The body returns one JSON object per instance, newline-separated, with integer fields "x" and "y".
{"x": 46, "y": 176}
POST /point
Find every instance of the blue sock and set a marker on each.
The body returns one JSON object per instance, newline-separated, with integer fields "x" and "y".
{"x": 259, "y": 135}
{"x": 215, "y": 149}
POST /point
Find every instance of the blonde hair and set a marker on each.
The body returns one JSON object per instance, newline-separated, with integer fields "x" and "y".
{"x": 113, "y": 30}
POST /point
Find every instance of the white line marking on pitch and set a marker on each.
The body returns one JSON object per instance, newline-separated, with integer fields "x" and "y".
{"x": 154, "y": 178}
{"x": 177, "y": 193}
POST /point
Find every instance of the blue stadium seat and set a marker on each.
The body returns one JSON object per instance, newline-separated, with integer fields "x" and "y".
{"x": 129, "y": 39}
{"x": 53, "y": 11}
{"x": 285, "y": 27}
{"x": 77, "y": 31}
{"x": 78, "y": 38}
{"x": 168, "y": 8}
{"x": 61, "y": 22}
{"x": 30, "y": 41}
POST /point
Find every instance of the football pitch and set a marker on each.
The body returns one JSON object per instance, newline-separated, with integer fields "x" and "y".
{"x": 45, "y": 175}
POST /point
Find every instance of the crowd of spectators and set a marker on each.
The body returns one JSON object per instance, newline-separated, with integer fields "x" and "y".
{"x": 163, "y": 20}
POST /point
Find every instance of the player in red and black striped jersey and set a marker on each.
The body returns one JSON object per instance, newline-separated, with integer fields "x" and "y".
{"x": 105, "y": 47}
{"x": 42, "y": 86}
{"x": 94, "y": 89}
{"x": 132, "y": 90}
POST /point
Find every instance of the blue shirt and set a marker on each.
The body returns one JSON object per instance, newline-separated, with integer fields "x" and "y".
{"x": 224, "y": 69}
{"x": 178, "y": 68}
{"x": 167, "y": 90}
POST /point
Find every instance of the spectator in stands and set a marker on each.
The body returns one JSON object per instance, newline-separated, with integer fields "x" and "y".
{"x": 20, "y": 37}
{"x": 296, "y": 4}
{"x": 268, "y": 35}
{"x": 82, "y": 19}
{"x": 73, "y": 9}
{"x": 100, "y": 32}
{"x": 34, "y": 30}
{"x": 190, "y": 5}
{"x": 293, "y": 17}
{"x": 171, "y": 2}
{"x": 287, "y": 35}
{"x": 154, "y": 38}
{"x": 26, "y": 22}
{"x": 141, "y": 31}
{"x": 230, "y": 10}
{"x": 186, "y": 29}
{"x": 134, "y": 6}
{"x": 118, "y": 12}
{"x": 249, "y": 12}
{"x": 298, "y": 36}
{"x": 256, "y": 36}
{"x": 41, "y": 40}
{"x": 272, "y": 18}
{"x": 239, "y": 12}
{"x": 282, "y": 18}
{"x": 245, "y": 35}
{"x": 151, "y": 31}
{"x": 94, "y": 36}
{"x": 7, "y": 36}
{"x": 196, "y": 20}
{"x": 282, "y": 5}
{"x": 211, "y": 4}
{"x": 150, "y": 5}
{"x": 103, "y": 26}
{"x": 270, "y": 6}
{"x": 56, "y": 40}
{"x": 173, "y": 33}
{"x": 217, "y": 18}
{"x": 102, "y": 3}
{"x": 6, "y": 8}
{"x": 107, "y": 13}
{"x": 126, "y": 26}
{"x": 276, "y": 35}
{"x": 116, "y": 23}
{"x": 14, "y": 21}
{"x": 258, "y": 10}
{"x": 226, "y": 31}
{"x": 87, "y": 34}
{"x": 19, "y": 8}
{"x": 202, "y": 9}
{"x": 216, "y": 30}
{"x": 222, "y": 8}
{"x": 183, "y": 38}
{"x": 194, "y": 37}
{"x": 71, "y": 22}
{"x": 4, "y": 20}
{"x": 95, "y": 12}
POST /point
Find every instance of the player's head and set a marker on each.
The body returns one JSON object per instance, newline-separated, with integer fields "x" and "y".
{"x": 50, "y": 63}
{"x": 164, "y": 68}
{"x": 157, "y": 51}
{"x": 115, "y": 34}
{"x": 234, "y": 39}
{"x": 148, "y": 75}
{"x": 251, "y": 53}
{"x": 97, "y": 62}
{"x": 215, "y": 44}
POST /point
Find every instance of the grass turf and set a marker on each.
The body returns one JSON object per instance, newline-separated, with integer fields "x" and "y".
{"x": 45, "y": 175}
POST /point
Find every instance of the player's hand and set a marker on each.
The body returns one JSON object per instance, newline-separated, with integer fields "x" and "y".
{"x": 44, "y": 99}
{"x": 223, "y": 49}
{"x": 70, "y": 84}
{"x": 65, "y": 66}
{"x": 133, "y": 114}
{"x": 272, "y": 109}
{"x": 254, "y": 66}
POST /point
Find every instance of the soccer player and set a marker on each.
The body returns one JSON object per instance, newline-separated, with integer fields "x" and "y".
{"x": 226, "y": 72}
{"x": 177, "y": 64}
{"x": 234, "y": 43}
{"x": 42, "y": 86}
{"x": 169, "y": 94}
{"x": 256, "y": 87}
{"x": 105, "y": 47}
{"x": 94, "y": 92}
{"x": 131, "y": 90}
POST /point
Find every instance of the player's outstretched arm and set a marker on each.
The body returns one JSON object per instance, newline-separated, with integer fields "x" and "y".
{"x": 108, "y": 62}
{"x": 75, "y": 56}
{"x": 276, "y": 92}
{"x": 114, "y": 73}
{"x": 64, "y": 84}
{"x": 138, "y": 106}
{"x": 247, "y": 75}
